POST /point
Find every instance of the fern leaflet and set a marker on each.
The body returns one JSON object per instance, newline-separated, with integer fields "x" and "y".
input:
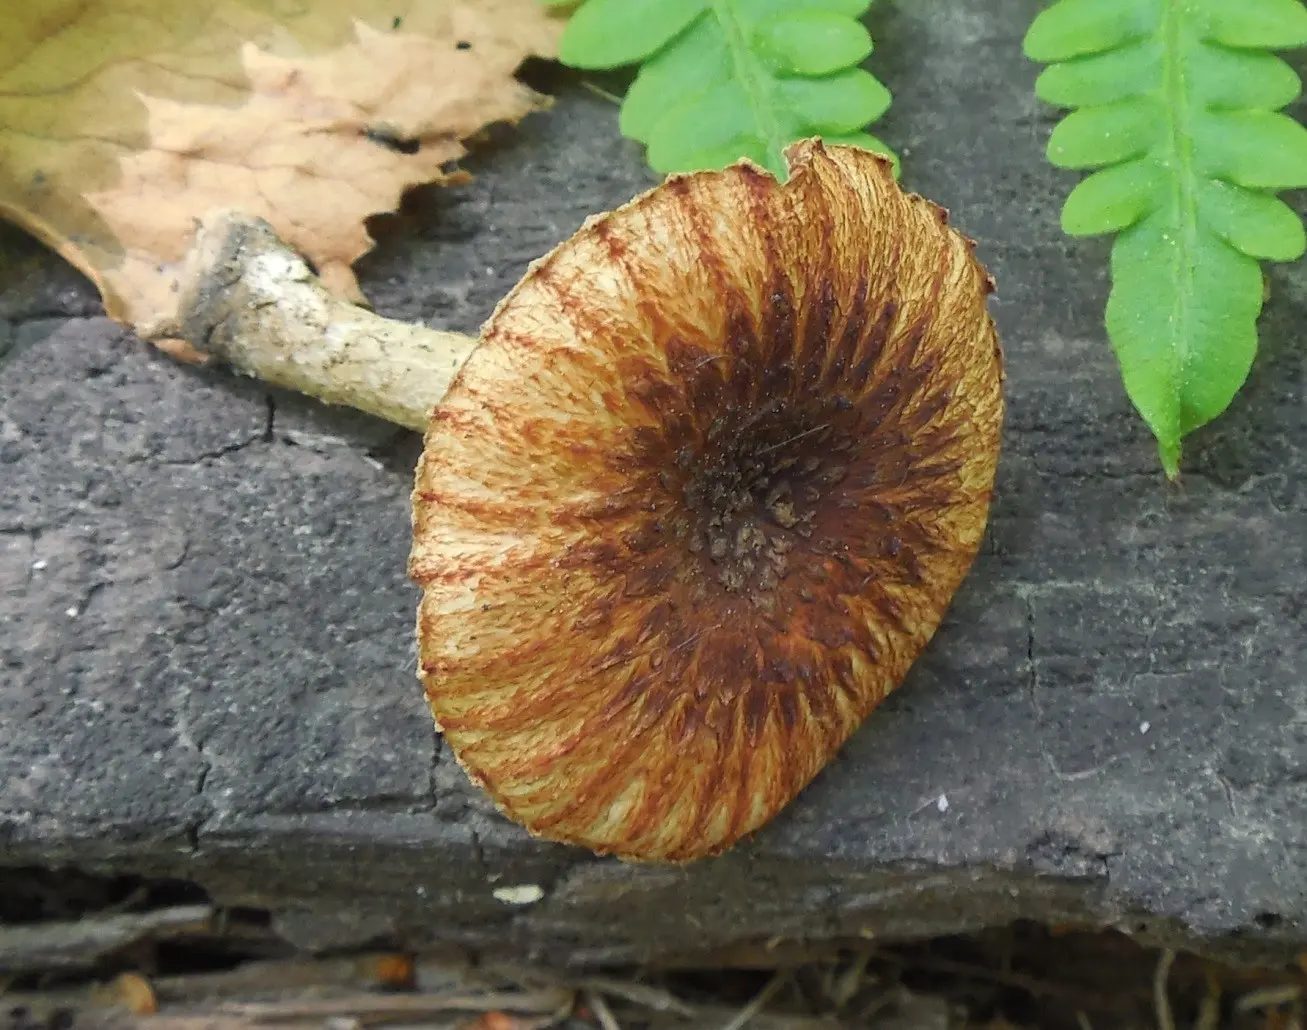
{"x": 725, "y": 79}
{"x": 1177, "y": 103}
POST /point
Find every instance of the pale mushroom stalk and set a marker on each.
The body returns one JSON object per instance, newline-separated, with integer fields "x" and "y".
{"x": 250, "y": 302}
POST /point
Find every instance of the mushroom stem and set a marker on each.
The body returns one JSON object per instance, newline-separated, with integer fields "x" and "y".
{"x": 249, "y": 301}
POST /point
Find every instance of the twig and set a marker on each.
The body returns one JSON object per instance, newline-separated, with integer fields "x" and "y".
{"x": 374, "y": 1008}
{"x": 189, "y": 1021}
{"x": 1209, "y": 1009}
{"x": 457, "y": 1023}
{"x": 886, "y": 999}
{"x": 760, "y": 1000}
{"x": 850, "y": 981}
{"x": 245, "y": 982}
{"x": 44, "y": 946}
{"x": 601, "y": 1010}
{"x": 1268, "y": 997}
{"x": 134, "y": 897}
{"x": 599, "y": 91}
{"x": 352, "y": 973}
{"x": 644, "y": 995}
{"x": 1161, "y": 999}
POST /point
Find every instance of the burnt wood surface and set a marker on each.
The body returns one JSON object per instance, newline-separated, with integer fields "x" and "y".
{"x": 206, "y": 657}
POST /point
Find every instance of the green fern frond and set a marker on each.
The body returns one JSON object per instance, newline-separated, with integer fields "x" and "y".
{"x": 1176, "y": 103}
{"x": 725, "y": 79}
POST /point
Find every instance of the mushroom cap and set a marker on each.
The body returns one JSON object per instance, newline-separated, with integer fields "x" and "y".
{"x": 701, "y": 496}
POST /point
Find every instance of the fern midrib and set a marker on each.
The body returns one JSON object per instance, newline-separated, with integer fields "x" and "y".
{"x": 753, "y": 78}
{"x": 1185, "y": 183}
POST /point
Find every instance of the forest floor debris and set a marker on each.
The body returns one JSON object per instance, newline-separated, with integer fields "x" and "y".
{"x": 1023, "y": 977}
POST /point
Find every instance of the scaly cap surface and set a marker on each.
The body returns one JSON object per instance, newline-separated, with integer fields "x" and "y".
{"x": 700, "y": 498}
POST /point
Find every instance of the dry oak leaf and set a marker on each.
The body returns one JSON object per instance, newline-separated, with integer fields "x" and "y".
{"x": 123, "y": 121}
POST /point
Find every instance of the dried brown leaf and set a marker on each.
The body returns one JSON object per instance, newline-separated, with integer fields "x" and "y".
{"x": 123, "y": 121}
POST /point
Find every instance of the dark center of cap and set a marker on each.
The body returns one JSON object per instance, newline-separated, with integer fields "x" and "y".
{"x": 754, "y": 486}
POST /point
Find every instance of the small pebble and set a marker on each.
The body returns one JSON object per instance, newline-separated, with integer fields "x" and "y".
{"x": 942, "y": 803}
{"x": 1144, "y": 727}
{"x": 71, "y": 612}
{"x": 39, "y": 564}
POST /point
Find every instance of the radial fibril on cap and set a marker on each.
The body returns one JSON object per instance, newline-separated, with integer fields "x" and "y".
{"x": 701, "y": 496}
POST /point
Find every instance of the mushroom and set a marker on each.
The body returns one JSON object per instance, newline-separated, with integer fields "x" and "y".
{"x": 693, "y": 503}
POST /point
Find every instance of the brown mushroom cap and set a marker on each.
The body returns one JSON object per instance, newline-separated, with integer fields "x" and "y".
{"x": 700, "y": 498}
